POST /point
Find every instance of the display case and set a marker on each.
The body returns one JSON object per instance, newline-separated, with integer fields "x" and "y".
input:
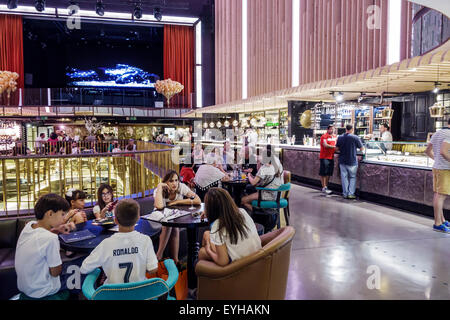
{"x": 362, "y": 120}
{"x": 404, "y": 154}
{"x": 381, "y": 115}
{"x": 284, "y": 126}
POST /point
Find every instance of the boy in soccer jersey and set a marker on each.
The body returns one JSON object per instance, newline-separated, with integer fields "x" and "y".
{"x": 127, "y": 255}
{"x": 38, "y": 262}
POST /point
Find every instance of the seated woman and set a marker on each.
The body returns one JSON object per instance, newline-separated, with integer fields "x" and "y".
{"x": 270, "y": 176}
{"x": 169, "y": 193}
{"x": 233, "y": 233}
{"x": 228, "y": 156}
{"x": 105, "y": 205}
{"x": 76, "y": 214}
{"x": 248, "y": 159}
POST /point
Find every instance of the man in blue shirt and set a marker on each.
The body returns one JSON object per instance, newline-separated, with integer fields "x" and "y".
{"x": 347, "y": 145}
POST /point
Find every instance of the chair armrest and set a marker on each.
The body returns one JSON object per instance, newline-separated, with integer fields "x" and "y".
{"x": 267, "y": 189}
{"x": 211, "y": 270}
{"x": 89, "y": 284}
{"x": 173, "y": 273}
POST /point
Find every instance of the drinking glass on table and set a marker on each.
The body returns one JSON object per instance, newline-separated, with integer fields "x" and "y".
{"x": 192, "y": 203}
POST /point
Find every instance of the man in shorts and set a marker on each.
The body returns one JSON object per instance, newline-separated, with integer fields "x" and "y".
{"x": 327, "y": 148}
{"x": 441, "y": 176}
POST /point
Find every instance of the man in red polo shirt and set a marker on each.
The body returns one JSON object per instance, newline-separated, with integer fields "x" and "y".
{"x": 327, "y": 147}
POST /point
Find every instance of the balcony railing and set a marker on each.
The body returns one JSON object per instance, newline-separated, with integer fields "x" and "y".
{"x": 117, "y": 97}
{"x": 107, "y": 111}
{"x": 23, "y": 179}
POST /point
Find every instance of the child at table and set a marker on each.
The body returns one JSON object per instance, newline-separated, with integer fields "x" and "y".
{"x": 38, "y": 262}
{"x": 127, "y": 255}
{"x": 76, "y": 214}
{"x": 106, "y": 204}
{"x": 233, "y": 233}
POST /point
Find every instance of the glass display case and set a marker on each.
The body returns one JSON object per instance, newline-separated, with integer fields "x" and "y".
{"x": 404, "y": 154}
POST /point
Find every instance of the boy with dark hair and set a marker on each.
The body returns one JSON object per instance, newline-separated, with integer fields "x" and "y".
{"x": 127, "y": 255}
{"x": 38, "y": 262}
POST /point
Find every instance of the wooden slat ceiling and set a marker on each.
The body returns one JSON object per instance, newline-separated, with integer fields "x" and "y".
{"x": 396, "y": 78}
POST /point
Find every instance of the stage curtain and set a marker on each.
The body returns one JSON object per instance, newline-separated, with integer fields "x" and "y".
{"x": 179, "y": 61}
{"x": 11, "y": 45}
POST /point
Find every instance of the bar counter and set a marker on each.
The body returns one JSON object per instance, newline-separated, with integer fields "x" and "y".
{"x": 403, "y": 186}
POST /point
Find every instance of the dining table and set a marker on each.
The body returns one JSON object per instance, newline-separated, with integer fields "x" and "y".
{"x": 149, "y": 228}
{"x": 192, "y": 222}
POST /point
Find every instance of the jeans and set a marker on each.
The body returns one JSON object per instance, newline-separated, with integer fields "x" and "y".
{"x": 348, "y": 179}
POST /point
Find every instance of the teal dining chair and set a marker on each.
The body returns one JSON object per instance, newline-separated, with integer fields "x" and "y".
{"x": 150, "y": 289}
{"x": 281, "y": 202}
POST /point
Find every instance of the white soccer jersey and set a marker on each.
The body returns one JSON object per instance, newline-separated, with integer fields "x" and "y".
{"x": 124, "y": 257}
{"x": 37, "y": 251}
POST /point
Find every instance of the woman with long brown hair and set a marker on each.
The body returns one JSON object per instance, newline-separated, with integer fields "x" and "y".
{"x": 233, "y": 233}
{"x": 106, "y": 203}
{"x": 171, "y": 192}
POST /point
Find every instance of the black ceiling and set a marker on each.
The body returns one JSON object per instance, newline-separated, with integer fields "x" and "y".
{"x": 185, "y": 8}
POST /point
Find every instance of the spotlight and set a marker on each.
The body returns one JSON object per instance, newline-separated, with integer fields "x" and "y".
{"x": 157, "y": 14}
{"x": 436, "y": 87}
{"x": 339, "y": 97}
{"x": 361, "y": 97}
{"x": 100, "y": 8}
{"x": 40, "y": 5}
{"x": 11, "y": 4}
{"x": 137, "y": 13}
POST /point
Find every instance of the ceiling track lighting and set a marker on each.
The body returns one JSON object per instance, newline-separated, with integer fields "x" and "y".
{"x": 40, "y": 5}
{"x": 338, "y": 97}
{"x": 100, "y": 8}
{"x": 157, "y": 14}
{"x": 137, "y": 12}
{"x": 11, "y": 4}
{"x": 436, "y": 87}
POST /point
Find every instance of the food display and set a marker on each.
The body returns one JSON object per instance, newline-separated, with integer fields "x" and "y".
{"x": 403, "y": 154}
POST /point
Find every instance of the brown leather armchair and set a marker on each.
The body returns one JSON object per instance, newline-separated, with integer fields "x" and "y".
{"x": 260, "y": 276}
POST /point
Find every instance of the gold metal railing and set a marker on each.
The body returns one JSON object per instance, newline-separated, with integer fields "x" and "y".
{"x": 24, "y": 179}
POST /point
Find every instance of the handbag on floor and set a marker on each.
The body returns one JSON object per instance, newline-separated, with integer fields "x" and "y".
{"x": 180, "y": 288}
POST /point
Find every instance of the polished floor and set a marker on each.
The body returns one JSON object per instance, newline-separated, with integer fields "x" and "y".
{"x": 341, "y": 245}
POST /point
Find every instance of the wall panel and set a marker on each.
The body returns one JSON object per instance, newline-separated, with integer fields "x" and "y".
{"x": 228, "y": 29}
{"x": 335, "y": 41}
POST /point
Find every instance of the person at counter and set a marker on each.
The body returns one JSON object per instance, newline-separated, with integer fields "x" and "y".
{"x": 347, "y": 145}
{"x": 386, "y": 135}
{"x": 441, "y": 176}
{"x": 327, "y": 147}
{"x": 445, "y": 149}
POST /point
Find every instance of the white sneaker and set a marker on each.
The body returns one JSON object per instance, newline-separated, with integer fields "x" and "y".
{"x": 328, "y": 191}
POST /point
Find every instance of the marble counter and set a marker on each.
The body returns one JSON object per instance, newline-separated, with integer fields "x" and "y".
{"x": 414, "y": 185}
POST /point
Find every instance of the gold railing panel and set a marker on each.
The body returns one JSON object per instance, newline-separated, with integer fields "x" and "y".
{"x": 24, "y": 179}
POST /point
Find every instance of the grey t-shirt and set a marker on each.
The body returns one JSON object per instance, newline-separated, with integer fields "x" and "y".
{"x": 440, "y": 163}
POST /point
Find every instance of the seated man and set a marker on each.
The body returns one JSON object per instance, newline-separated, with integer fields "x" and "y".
{"x": 209, "y": 174}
